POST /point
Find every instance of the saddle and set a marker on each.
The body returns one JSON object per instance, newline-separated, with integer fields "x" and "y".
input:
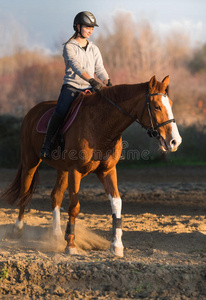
{"x": 69, "y": 119}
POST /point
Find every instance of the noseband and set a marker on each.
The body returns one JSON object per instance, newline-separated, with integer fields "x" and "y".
{"x": 152, "y": 131}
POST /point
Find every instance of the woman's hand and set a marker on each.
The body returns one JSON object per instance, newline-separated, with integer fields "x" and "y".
{"x": 95, "y": 85}
{"x": 109, "y": 83}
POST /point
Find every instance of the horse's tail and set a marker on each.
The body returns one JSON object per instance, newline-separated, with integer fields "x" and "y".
{"x": 12, "y": 194}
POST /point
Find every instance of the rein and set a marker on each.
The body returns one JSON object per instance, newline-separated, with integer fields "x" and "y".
{"x": 152, "y": 131}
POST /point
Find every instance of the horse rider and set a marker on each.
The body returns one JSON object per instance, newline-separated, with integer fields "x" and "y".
{"x": 83, "y": 60}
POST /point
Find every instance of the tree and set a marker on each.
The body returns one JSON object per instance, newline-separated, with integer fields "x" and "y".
{"x": 198, "y": 61}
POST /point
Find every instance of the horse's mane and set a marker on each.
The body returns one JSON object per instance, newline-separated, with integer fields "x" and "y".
{"x": 123, "y": 92}
{"x": 117, "y": 93}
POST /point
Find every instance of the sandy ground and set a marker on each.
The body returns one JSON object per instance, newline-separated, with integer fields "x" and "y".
{"x": 164, "y": 234}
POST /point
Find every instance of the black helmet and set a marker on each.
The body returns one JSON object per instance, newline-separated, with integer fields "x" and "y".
{"x": 84, "y": 18}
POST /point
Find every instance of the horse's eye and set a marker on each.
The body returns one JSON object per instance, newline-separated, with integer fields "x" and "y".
{"x": 157, "y": 107}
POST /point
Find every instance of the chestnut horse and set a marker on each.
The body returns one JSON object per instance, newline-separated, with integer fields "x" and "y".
{"x": 93, "y": 144}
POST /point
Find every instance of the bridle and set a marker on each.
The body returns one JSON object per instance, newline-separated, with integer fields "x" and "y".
{"x": 152, "y": 131}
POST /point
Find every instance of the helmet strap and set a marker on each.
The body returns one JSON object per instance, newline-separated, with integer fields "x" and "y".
{"x": 80, "y": 32}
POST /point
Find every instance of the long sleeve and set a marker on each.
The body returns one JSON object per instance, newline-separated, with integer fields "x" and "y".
{"x": 99, "y": 67}
{"x": 71, "y": 59}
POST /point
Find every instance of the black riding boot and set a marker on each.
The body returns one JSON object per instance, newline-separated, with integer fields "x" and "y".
{"x": 53, "y": 126}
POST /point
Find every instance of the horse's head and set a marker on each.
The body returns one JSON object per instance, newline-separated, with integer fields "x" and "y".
{"x": 161, "y": 122}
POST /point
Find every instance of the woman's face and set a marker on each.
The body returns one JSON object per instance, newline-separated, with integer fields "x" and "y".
{"x": 86, "y": 31}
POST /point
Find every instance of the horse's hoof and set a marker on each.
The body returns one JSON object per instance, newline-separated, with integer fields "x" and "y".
{"x": 71, "y": 250}
{"x": 117, "y": 251}
{"x": 16, "y": 232}
{"x": 58, "y": 236}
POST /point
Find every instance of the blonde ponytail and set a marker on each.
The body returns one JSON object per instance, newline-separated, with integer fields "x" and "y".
{"x": 71, "y": 38}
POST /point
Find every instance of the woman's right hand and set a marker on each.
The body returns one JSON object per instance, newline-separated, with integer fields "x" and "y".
{"x": 109, "y": 83}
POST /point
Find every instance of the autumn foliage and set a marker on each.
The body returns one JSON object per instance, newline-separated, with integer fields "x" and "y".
{"x": 133, "y": 52}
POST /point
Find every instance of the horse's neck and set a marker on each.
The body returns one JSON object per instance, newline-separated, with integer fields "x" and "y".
{"x": 124, "y": 92}
{"x": 130, "y": 98}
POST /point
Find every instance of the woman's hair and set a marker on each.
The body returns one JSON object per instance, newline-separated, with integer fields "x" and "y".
{"x": 72, "y": 37}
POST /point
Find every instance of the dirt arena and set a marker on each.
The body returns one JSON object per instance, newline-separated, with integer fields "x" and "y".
{"x": 164, "y": 234}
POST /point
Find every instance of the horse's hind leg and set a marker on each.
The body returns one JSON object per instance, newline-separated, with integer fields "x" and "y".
{"x": 57, "y": 197}
{"x": 29, "y": 176}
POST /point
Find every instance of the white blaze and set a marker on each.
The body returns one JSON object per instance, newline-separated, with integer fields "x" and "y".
{"x": 175, "y": 133}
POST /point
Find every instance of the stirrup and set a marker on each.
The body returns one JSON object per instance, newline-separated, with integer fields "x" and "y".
{"x": 122, "y": 157}
{"x": 45, "y": 151}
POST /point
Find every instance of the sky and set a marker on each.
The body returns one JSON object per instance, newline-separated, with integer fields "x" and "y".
{"x": 47, "y": 23}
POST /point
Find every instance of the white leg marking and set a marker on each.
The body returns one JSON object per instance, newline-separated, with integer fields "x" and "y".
{"x": 175, "y": 133}
{"x": 118, "y": 238}
{"x": 56, "y": 222}
{"x": 116, "y": 204}
{"x": 19, "y": 224}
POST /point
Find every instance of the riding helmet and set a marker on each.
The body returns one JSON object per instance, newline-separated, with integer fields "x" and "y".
{"x": 84, "y": 18}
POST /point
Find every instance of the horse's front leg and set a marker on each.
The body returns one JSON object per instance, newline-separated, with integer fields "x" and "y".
{"x": 109, "y": 181}
{"x": 74, "y": 207}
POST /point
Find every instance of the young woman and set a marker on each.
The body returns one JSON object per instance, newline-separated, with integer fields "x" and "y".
{"x": 83, "y": 60}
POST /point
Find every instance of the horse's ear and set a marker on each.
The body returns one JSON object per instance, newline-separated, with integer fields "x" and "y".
{"x": 153, "y": 82}
{"x": 167, "y": 90}
{"x": 166, "y": 80}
